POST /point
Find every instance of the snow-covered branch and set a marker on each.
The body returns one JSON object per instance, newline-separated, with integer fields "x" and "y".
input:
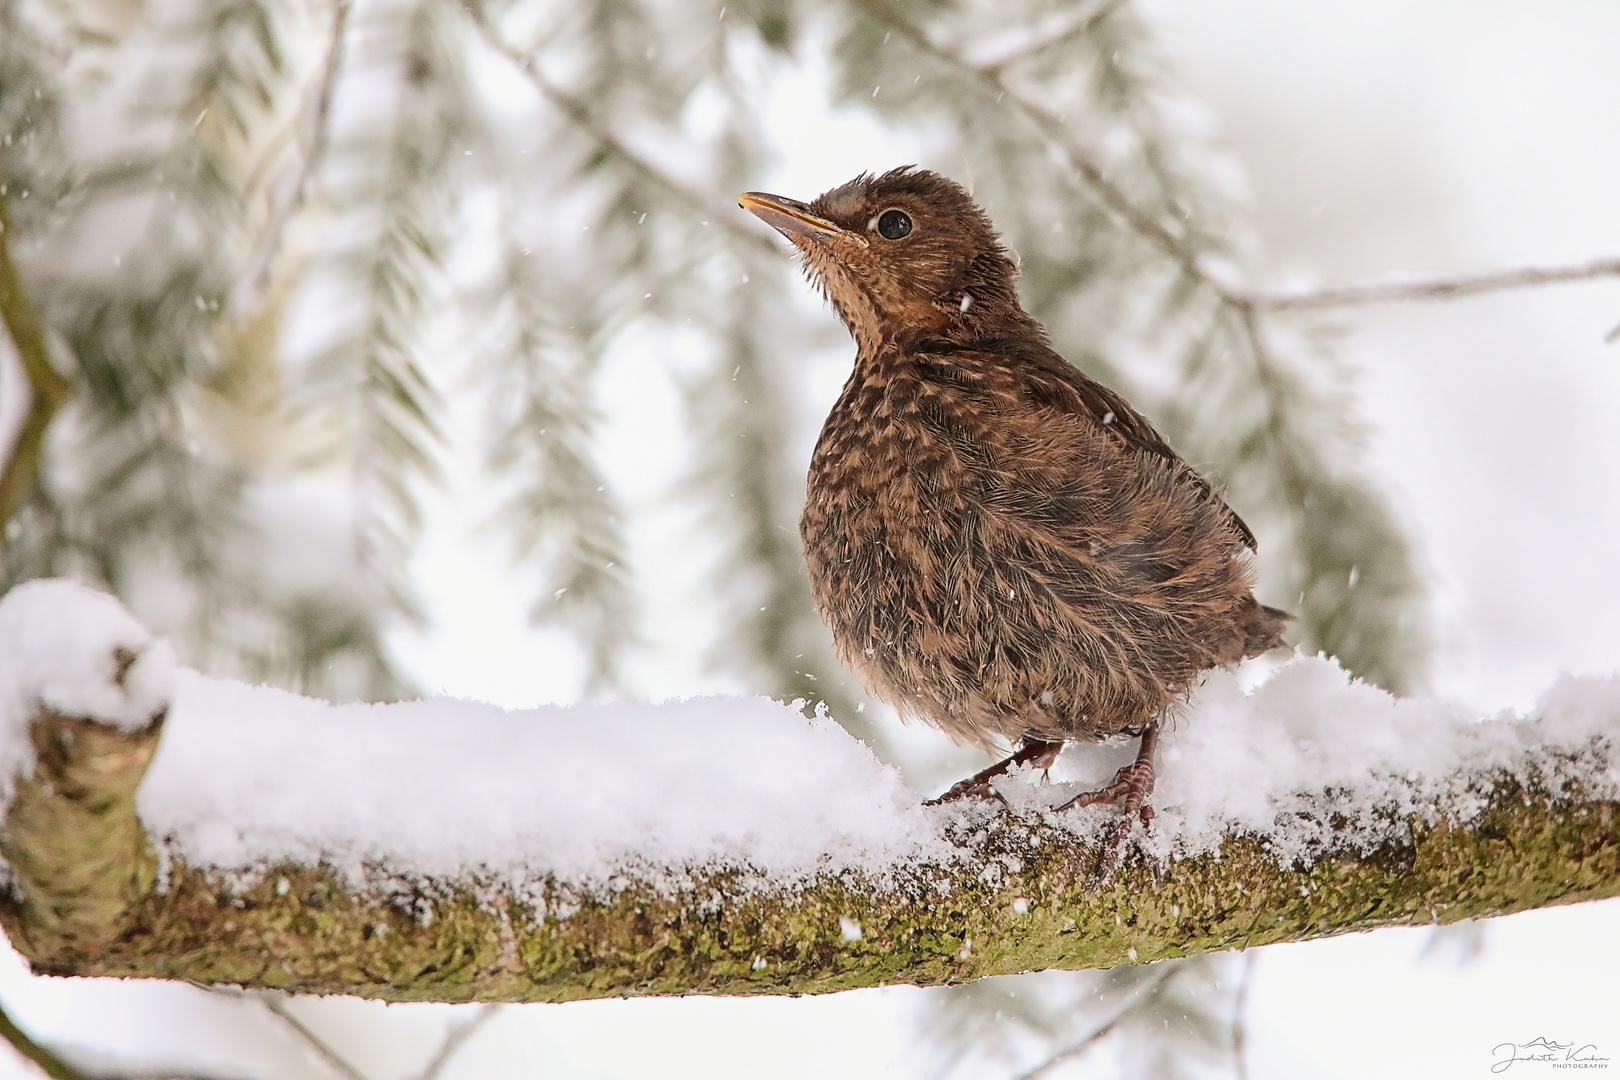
{"x": 159, "y": 823}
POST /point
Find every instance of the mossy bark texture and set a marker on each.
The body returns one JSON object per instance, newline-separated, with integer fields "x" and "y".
{"x": 87, "y": 899}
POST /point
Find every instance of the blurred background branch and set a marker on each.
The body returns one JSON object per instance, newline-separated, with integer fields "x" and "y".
{"x": 58, "y": 1068}
{"x": 1143, "y": 1002}
{"x": 1445, "y": 288}
{"x": 47, "y": 390}
{"x": 275, "y": 1005}
{"x": 48, "y": 1063}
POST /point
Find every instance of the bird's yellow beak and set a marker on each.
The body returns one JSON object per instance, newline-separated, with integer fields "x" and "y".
{"x": 792, "y": 218}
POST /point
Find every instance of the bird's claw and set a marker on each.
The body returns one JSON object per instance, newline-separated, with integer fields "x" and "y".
{"x": 1035, "y": 752}
{"x": 973, "y": 787}
{"x": 1129, "y": 790}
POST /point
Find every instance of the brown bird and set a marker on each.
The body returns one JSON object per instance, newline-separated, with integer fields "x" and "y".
{"x": 1001, "y": 546}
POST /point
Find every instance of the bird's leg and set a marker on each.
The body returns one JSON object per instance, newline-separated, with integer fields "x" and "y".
{"x": 1130, "y": 788}
{"x": 1035, "y": 752}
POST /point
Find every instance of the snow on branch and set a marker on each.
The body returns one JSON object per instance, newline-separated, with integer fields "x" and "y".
{"x": 159, "y": 823}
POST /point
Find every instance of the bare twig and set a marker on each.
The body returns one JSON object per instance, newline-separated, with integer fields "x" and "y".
{"x": 1154, "y": 991}
{"x": 1079, "y": 26}
{"x": 276, "y": 1005}
{"x": 54, "y": 1067}
{"x": 581, "y": 116}
{"x": 455, "y": 1038}
{"x": 1240, "y": 1024}
{"x": 1452, "y": 288}
{"x": 49, "y": 391}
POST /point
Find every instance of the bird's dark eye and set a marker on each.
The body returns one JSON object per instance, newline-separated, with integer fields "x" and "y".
{"x": 893, "y": 224}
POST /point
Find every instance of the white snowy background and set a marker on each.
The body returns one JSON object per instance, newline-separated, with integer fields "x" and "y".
{"x": 1379, "y": 136}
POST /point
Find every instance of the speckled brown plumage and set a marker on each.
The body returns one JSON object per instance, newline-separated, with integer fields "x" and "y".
{"x": 1002, "y": 546}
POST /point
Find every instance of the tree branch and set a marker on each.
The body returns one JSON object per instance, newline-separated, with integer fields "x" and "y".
{"x": 1240, "y": 1018}
{"x": 1052, "y": 129}
{"x": 1078, "y": 25}
{"x": 51, "y": 1065}
{"x": 1154, "y": 991}
{"x": 1447, "y": 288}
{"x": 580, "y": 115}
{"x": 1160, "y": 235}
{"x": 49, "y": 391}
{"x": 86, "y": 900}
{"x": 456, "y": 1039}
{"x": 338, "y": 1063}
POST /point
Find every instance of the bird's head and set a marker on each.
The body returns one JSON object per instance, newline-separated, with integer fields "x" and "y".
{"x": 904, "y": 254}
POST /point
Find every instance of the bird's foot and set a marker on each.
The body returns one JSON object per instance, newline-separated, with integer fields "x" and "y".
{"x": 1129, "y": 790}
{"x": 1034, "y": 752}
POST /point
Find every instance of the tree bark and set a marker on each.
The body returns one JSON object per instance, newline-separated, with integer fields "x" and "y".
{"x": 89, "y": 897}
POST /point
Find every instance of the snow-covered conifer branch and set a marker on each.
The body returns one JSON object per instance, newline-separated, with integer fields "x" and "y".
{"x": 446, "y": 850}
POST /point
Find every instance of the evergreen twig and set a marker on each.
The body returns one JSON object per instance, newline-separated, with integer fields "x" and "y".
{"x": 581, "y": 116}
{"x": 316, "y": 137}
{"x": 560, "y": 512}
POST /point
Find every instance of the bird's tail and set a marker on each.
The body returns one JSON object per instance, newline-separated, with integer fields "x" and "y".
{"x": 1263, "y": 629}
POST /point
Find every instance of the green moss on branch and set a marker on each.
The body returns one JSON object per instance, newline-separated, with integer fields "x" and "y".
{"x": 86, "y": 902}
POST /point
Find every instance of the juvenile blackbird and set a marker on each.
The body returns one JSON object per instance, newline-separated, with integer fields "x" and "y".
{"x": 1001, "y": 546}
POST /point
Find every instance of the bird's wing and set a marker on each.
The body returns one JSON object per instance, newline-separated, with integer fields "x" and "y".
{"x": 1056, "y": 383}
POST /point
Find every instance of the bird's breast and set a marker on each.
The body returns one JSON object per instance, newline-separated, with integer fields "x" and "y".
{"x": 896, "y": 482}
{"x": 888, "y": 465}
